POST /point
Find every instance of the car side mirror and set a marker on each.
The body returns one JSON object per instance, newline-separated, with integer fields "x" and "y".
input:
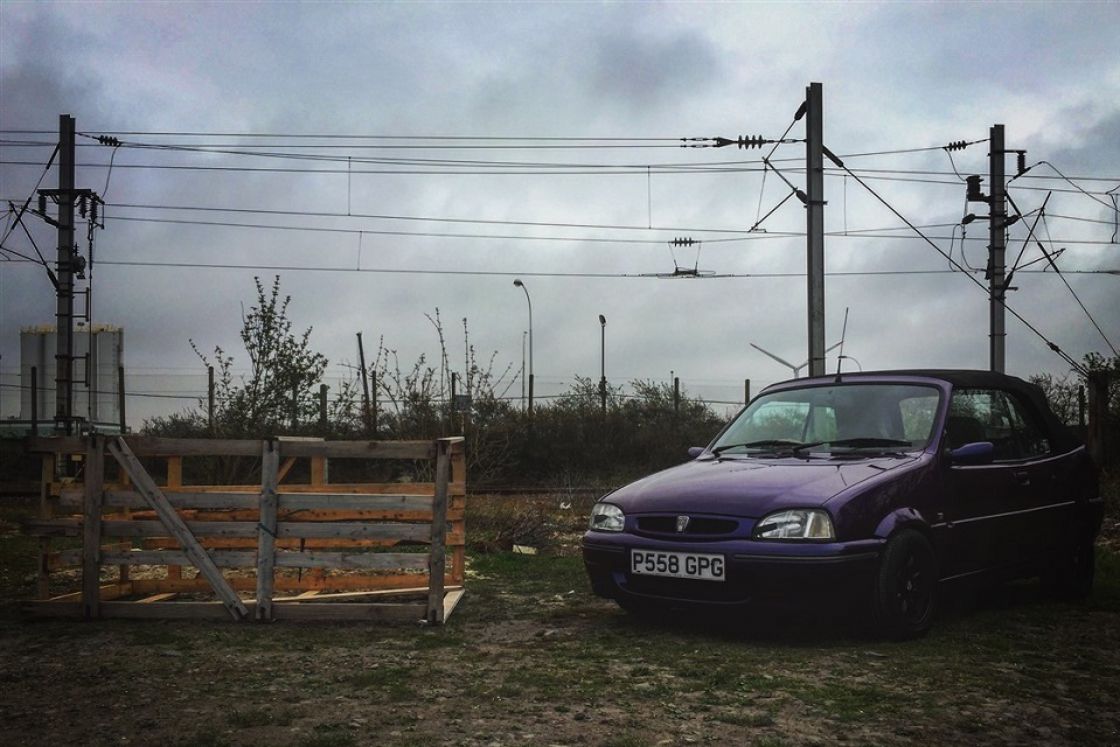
{"x": 695, "y": 451}
{"x": 979, "y": 452}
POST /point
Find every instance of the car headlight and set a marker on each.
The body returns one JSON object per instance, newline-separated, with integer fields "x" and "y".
{"x": 796, "y": 524}
{"x": 606, "y": 517}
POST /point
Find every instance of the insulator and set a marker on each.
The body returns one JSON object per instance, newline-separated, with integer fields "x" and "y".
{"x": 957, "y": 145}
{"x": 679, "y": 241}
{"x": 1022, "y": 162}
{"x": 757, "y": 141}
{"x": 108, "y": 140}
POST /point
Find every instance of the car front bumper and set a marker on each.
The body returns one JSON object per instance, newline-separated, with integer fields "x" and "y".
{"x": 830, "y": 575}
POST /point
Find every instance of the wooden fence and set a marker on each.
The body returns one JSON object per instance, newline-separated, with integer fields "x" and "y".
{"x": 274, "y": 550}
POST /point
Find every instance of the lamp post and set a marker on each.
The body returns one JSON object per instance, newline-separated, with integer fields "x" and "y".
{"x": 517, "y": 282}
{"x": 524, "y": 334}
{"x": 603, "y": 363}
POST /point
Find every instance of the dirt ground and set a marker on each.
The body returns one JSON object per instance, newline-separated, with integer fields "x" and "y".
{"x": 531, "y": 657}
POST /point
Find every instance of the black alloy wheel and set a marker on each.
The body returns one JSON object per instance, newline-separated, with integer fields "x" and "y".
{"x": 906, "y": 587}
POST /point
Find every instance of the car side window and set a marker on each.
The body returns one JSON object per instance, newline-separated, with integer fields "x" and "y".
{"x": 996, "y": 416}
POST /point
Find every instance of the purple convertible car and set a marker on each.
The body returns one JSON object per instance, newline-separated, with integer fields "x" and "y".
{"x": 862, "y": 492}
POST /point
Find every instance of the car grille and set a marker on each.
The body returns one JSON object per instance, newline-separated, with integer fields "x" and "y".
{"x": 697, "y": 526}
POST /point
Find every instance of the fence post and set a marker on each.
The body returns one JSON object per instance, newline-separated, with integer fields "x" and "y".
{"x": 1099, "y": 436}
{"x": 437, "y": 553}
{"x": 91, "y": 527}
{"x": 373, "y": 405}
{"x": 46, "y": 477}
{"x": 266, "y": 533}
{"x": 34, "y": 401}
{"x": 120, "y": 398}
{"x": 210, "y": 399}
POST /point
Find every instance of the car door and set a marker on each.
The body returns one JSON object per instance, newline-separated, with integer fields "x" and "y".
{"x": 992, "y": 512}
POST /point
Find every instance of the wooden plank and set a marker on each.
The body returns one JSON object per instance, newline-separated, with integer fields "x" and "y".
{"x": 220, "y": 558}
{"x": 104, "y": 592}
{"x": 369, "y": 561}
{"x": 315, "y": 515}
{"x": 340, "y": 611}
{"x": 56, "y": 444}
{"x": 319, "y": 471}
{"x": 308, "y": 597}
{"x": 91, "y": 527}
{"x": 337, "y": 611}
{"x": 169, "y": 610}
{"x": 157, "y": 598}
{"x": 285, "y": 529}
{"x": 370, "y": 488}
{"x": 436, "y": 551}
{"x": 213, "y": 501}
{"x": 451, "y": 601}
{"x": 177, "y": 528}
{"x": 234, "y": 543}
{"x": 174, "y": 472}
{"x": 73, "y": 557}
{"x": 288, "y": 583}
{"x": 358, "y": 449}
{"x": 154, "y": 446}
{"x": 285, "y": 468}
{"x": 174, "y": 482}
{"x": 266, "y": 535}
{"x": 354, "y": 502}
{"x": 68, "y": 527}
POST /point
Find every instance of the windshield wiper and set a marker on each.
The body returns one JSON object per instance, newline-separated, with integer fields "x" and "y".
{"x": 785, "y": 443}
{"x": 857, "y": 443}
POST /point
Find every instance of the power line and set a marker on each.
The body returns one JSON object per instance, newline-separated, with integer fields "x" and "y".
{"x": 1053, "y": 346}
{"x": 737, "y": 234}
{"x": 1054, "y": 264}
{"x": 503, "y": 273}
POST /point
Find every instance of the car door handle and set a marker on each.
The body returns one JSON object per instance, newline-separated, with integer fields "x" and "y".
{"x": 1023, "y": 478}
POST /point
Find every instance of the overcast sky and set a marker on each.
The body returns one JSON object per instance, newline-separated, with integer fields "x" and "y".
{"x": 896, "y": 76}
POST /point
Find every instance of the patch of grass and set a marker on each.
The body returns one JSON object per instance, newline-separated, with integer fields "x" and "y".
{"x": 625, "y": 740}
{"x": 251, "y": 717}
{"x": 204, "y": 739}
{"x": 391, "y": 681}
{"x": 328, "y": 739}
{"x": 753, "y": 719}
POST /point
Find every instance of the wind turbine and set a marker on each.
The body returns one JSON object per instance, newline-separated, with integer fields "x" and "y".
{"x": 796, "y": 369}
{"x": 787, "y": 364}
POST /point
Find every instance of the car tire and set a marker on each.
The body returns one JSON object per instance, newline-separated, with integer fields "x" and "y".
{"x": 1073, "y": 578}
{"x": 905, "y": 594}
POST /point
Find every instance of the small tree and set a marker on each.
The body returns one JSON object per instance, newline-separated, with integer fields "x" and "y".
{"x": 283, "y": 372}
{"x": 280, "y": 388}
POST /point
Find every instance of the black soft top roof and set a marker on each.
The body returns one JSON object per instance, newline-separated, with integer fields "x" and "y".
{"x": 1061, "y": 436}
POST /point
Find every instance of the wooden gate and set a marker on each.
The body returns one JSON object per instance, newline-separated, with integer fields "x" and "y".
{"x": 273, "y": 550}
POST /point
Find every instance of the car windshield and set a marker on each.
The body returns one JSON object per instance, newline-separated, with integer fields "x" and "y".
{"x": 839, "y": 418}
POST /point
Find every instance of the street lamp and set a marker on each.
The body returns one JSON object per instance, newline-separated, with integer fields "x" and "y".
{"x": 603, "y": 362}
{"x": 517, "y": 282}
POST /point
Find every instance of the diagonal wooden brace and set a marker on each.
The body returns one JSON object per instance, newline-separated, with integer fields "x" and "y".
{"x": 176, "y": 527}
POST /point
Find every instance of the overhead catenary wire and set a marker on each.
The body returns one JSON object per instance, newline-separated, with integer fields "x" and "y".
{"x": 1038, "y": 333}
{"x": 530, "y": 273}
{"x": 732, "y": 235}
{"x": 1054, "y": 264}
